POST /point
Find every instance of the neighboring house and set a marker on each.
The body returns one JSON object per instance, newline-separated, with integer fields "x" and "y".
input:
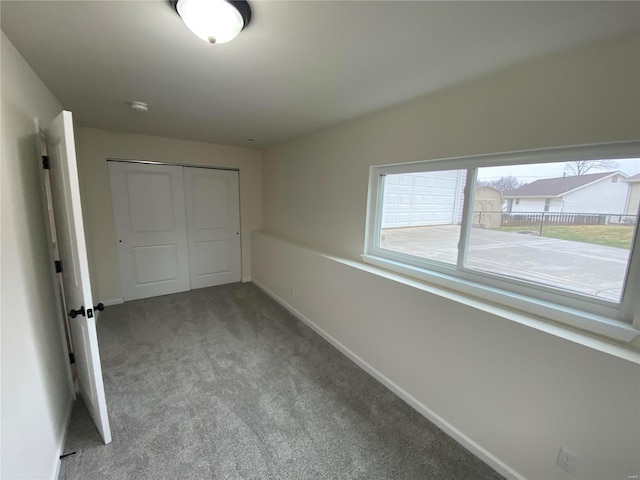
{"x": 487, "y": 207}
{"x": 633, "y": 196}
{"x": 601, "y": 193}
{"x": 425, "y": 198}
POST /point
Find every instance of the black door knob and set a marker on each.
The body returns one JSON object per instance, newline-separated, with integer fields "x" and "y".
{"x": 99, "y": 307}
{"x": 75, "y": 313}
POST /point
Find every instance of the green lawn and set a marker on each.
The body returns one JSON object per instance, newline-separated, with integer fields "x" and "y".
{"x": 608, "y": 235}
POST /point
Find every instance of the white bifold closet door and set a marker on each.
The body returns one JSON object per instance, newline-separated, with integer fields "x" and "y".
{"x": 213, "y": 226}
{"x": 148, "y": 207}
{"x": 177, "y": 228}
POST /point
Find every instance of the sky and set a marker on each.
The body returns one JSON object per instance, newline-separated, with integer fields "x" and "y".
{"x": 530, "y": 173}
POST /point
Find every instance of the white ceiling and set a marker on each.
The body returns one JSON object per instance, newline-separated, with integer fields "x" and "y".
{"x": 299, "y": 66}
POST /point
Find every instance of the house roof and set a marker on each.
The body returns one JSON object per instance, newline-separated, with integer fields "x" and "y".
{"x": 635, "y": 178}
{"x": 555, "y": 187}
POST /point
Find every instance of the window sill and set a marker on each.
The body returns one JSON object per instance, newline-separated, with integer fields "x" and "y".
{"x": 598, "y": 332}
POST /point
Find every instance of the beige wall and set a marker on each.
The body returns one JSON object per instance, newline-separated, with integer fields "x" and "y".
{"x": 316, "y": 185}
{"x": 36, "y": 388}
{"x": 93, "y": 149}
{"x": 512, "y": 390}
{"x": 511, "y": 394}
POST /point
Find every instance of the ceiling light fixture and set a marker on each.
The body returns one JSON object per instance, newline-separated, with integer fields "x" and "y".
{"x": 139, "y": 106}
{"x": 215, "y": 21}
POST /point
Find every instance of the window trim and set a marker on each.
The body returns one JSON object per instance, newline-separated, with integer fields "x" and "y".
{"x": 619, "y": 321}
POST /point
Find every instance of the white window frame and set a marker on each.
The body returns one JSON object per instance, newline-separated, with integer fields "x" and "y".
{"x": 620, "y": 321}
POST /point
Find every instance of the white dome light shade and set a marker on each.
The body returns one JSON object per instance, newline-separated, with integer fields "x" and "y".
{"x": 214, "y": 21}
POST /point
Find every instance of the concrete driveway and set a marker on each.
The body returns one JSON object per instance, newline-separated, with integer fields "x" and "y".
{"x": 593, "y": 270}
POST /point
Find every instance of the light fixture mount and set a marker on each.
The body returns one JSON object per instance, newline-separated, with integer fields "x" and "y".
{"x": 215, "y": 21}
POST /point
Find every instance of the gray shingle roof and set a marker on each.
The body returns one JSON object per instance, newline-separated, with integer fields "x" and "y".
{"x": 552, "y": 187}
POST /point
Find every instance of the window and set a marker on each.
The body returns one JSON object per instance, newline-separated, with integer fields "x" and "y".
{"x": 514, "y": 228}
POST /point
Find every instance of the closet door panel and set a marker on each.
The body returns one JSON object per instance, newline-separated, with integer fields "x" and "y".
{"x": 149, "y": 210}
{"x": 213, "y": 225}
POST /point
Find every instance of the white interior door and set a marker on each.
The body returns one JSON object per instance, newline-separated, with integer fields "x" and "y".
{"x": 213, "y": 226}
{"x": 75, "y": 267}
{"x": 148, "y": 205}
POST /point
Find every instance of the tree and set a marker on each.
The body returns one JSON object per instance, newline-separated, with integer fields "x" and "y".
{"x": 581, "y": 167}
{"x": 504, "y": 184}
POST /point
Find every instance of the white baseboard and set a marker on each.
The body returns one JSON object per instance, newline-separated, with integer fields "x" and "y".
{"x": 63, "y": 440}
{"x": 246, "y": 279}
{"x": 113, "y": 301}
{"x": 472, "y": 446}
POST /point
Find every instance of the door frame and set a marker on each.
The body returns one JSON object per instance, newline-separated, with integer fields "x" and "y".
{"x": 54, "y": 255}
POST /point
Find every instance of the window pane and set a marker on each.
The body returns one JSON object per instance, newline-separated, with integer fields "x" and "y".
{"x": 422, "y": 212}
{"x": 572, "y": 228}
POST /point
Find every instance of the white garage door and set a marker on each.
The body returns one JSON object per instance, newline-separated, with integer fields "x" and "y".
{"x": 425, "y": 198}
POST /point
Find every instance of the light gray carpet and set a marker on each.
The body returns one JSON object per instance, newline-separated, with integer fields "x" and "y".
{"x": 223, "y": 383}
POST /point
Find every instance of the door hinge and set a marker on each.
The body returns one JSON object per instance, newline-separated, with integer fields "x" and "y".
{"x": 58, "y": 265}
{"x": 45, "y": 162}
{"x": 72, "y": 358}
